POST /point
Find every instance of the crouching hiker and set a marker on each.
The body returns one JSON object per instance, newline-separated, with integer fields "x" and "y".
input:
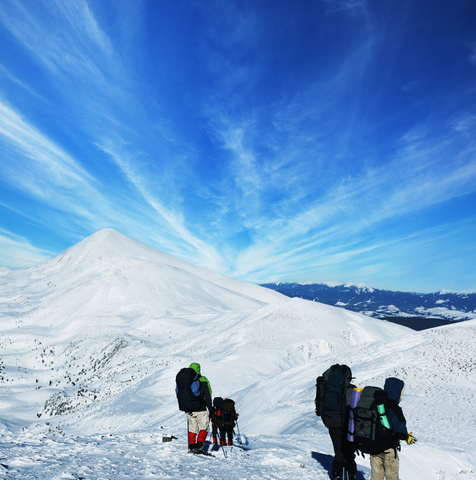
{"x": 194, "y": 398}
{"x": 385, "y": 464}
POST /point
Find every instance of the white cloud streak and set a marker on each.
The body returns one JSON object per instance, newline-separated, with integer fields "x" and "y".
{"x": 17, "y": 252}
{"x": 205, "y": 254}
{"x": 52, "y": 163}
{"x": 65, "y": 38}
{"x": 416, "y": 180}
{"x": 292, "y": 186}
{"x": 69, "y": 42}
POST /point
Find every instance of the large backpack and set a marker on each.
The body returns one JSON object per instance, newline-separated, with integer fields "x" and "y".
{"x": 217, "y": 403}
{"x": 188, "y": 390}
{"x": 332, "y": 389}
{"x": 227, "y": 413}
{"x": 372, "y": 430}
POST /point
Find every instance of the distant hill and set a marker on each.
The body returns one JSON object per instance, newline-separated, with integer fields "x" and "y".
{"x": 91, "y": 342}
{"x": 415, "y": 310}
{"x": 109, "y": 313}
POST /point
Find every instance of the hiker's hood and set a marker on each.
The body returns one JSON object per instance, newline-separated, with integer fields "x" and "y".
{"x": 196, "y": 367}
{"x": 394, "y": 387}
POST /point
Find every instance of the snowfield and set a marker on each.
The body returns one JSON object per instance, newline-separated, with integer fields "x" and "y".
{"x": 91, "y": 341}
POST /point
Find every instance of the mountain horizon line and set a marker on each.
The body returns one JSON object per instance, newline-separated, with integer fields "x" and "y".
{"x": 103, "y": 234}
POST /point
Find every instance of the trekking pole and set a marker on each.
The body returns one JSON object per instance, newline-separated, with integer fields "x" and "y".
{"x": 221, "y": 444}
{"x": 345, "y": 472}
{"x": 187, "y": 437}
{"x": 239, "y": 434}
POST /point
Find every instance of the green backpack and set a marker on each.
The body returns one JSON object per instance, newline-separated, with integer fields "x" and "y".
{"x": 372, "y": 430}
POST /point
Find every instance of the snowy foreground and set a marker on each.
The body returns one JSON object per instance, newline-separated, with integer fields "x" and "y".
{"x": 91, "y": 341}
{"x": 143, "y": 455}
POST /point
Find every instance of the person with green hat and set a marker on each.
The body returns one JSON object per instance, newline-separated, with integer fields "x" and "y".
{"x": 194, "y": 395}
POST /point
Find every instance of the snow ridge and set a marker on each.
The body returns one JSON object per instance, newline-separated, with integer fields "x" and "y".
{"x": 91, "y": 342}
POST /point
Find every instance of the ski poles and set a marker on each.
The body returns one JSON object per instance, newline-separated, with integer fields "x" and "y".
{"x": 345, "y": 472}
{"x": 221, "y": 444}
{"x": 239, "y": 434}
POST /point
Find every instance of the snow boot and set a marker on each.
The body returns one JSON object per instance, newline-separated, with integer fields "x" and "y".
{"x": 192, "y": 438}
{"x": 197, "y": 446}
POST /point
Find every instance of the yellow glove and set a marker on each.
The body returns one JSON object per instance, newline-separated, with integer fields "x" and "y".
{"x": 411, "y": 439}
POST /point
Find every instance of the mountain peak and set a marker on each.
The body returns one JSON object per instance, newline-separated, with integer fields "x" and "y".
{"x": 104, "y": 233}
{"x": 109, "y": 244}
{"x": 106, "y": 247}
{"x": 107, "y": 236}
{"x": 359, "y": 286}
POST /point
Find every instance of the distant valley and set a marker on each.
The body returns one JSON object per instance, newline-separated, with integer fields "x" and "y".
{"x": 415, "y": 310}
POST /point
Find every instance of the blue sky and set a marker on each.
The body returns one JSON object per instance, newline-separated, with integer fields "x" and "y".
{"x": 314, "y": 140}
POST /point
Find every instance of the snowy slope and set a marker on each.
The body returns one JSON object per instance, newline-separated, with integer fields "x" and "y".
{"x": 91, "y": 342}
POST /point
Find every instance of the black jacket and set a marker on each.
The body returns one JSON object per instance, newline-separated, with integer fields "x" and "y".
{"x": 394, "y": 388}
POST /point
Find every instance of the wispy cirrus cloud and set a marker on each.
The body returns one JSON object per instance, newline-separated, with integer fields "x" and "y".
{"x": 255, "y": 141}
{"x": 277, "y": 150}
{"x": 17, "y": 251}
{"x": 333, "y": 227}
{"x": 170, "y": 220}
{"x": 34, "y": 162}
{"x": 65, "y": 37}
{"x": 333, "y": 195}
{"x": 91, "y": 76}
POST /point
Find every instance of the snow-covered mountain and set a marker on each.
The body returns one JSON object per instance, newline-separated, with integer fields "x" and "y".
{"x": 91, "y": 342}
{"x": 444, "y": 305}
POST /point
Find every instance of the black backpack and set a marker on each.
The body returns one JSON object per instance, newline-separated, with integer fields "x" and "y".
{"x": 331, "y": 401}
{"x": 188, "y": 390}
{"x": 372, "y": 431}
{"x": 217, "y": 403}
{"x": 227, "y": 413}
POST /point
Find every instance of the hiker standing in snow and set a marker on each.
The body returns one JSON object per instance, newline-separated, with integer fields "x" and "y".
{"x": 194, "y": 394}
{"x": 333, "y": 395}
{"x": 217, "y": 403}
{"x": 225, "y": 418}
{"x": 386, "y": 464}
